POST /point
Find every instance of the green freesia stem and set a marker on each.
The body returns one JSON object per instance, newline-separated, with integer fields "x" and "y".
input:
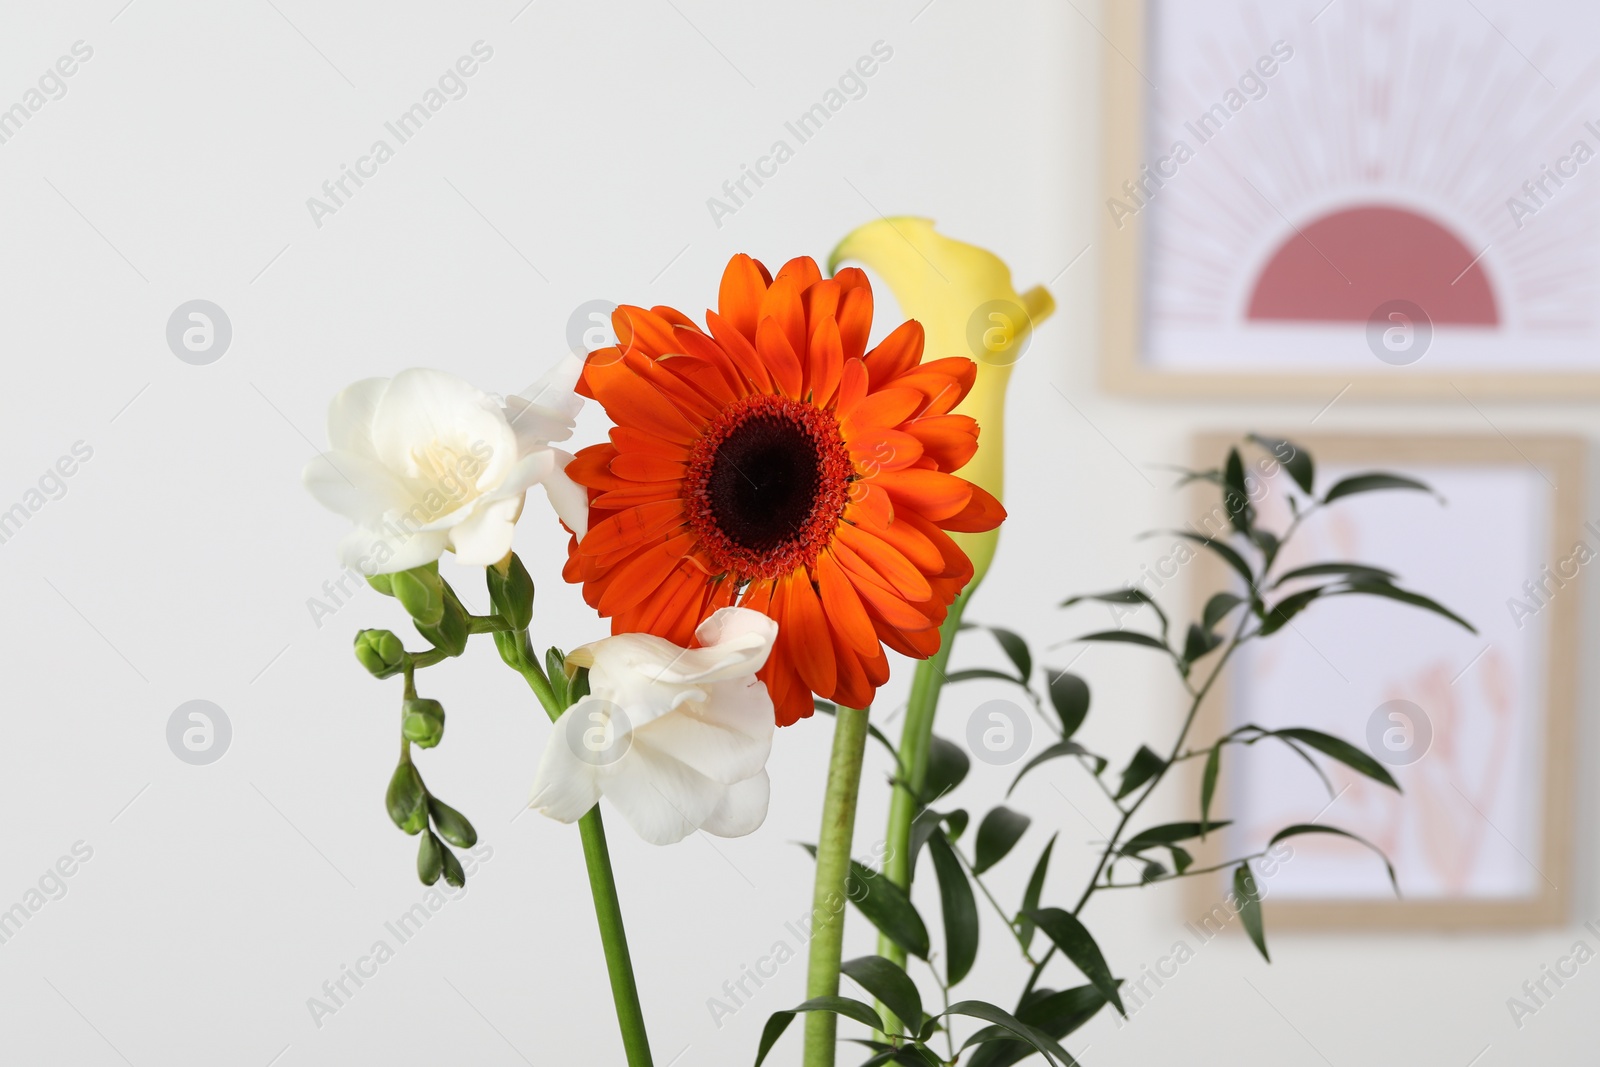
{"x": 603, "y": 887}
{"x": 833, "y": 871}
{"x": 915, "y": 737}
{"x": 619, "y": 965}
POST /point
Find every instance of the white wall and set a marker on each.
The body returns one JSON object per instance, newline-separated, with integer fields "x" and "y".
{"x": 179, "y": 563}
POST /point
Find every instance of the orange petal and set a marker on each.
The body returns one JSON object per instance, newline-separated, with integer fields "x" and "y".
{"x": 895, "y": 354}
{"x": 844, "y": 607}
{"x": 773, "y": 344}
{"x": 631, "y": 528}
{"x": 886, "y": 407}
{"x": 643, "y": 574}
{"x": 869, "y": 504}
{"x": 821, "y": 300}
{"x": 642, "y": 331}
{"x": 633, "y": 439}
{"x": 933, "y": 494}
{"x": 887, "y": 561}
{"x": 824, "y": 363}
{"x": 782, "y": 305}
{"x": 739, "y": 298}
{"x": 741, "y": 352}
{"x": 632, "y": 494}
{"x": 630, "y": 400}
{"x": 855, "y": 315}
{"x": 852, "y": 388}
{"x": 983, "y": 512}
{"x": 950, "y": 440}
{"x": 809, "y": 640}
{"x": 802, "y": 270}
{"x": 647, "y": 467}
{"x": 874, "y": 451}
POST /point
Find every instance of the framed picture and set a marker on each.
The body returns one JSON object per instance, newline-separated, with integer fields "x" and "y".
{"x": 1478, "y": 729}
{"x": 1397, "y": 198}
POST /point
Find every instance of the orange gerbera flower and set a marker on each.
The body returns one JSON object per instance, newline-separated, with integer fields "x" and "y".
{"x": 774, "y": 463}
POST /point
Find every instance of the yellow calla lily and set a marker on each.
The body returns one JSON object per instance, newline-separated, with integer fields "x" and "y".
{"x": 963, "y": 297}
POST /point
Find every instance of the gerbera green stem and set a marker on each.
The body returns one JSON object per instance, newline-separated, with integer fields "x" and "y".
{"x": 833, "y": 871}
{"x": 915, "y": 738}
{"x": 607, "y": 907}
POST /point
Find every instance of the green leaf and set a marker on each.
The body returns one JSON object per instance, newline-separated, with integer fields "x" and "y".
{"x": 1236, "y": 494}
{"x": 1300, "y": 829}
{"x": 1199, "y": 643}
{"x": 1298, "y": 462}
{"x": 1167, "y": 834}
{"x": 1041, "y": 1041}
{"x": 1343, "y": 751}
{"x": 1069, "y": 695}
{"x": 1217, "y": 609}
{"x": 1366, "y": 483}
{"x": 960, "y": 911}
{"x": 926, "y": 823}
{"x": 948, "y": 764}
{"x": 779, "y": 1021}
{"x": 1078, "y": 945}
{"x": 1208, "y": 782}
{"x": 1127, "y": 637}
{"x": 828, "y": 707}
{"x": 976, "y": 673}
{"x": 1284, "y": 611}
{"x": 1227, "y": 553}
{"x": 1247, "y": 893}
{"x": 1016, "y": 650}
{"x": 1030, "y": 897}
{"x": 1354, "y": 571}
{"x": 1056, "y": 751}
{"x": 1144, "y": 766}
{"x": 1058, "y": 1014}
{"x": 1405, "y": 596}
{"x": 998, "y": 834}
{"x": 885, "y": 905}
{"x": 1127, "y": 595}
{"x": 890, "y": 984}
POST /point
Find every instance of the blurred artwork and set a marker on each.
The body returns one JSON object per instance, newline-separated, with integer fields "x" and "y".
{"x": 1365, "y": 185}
{"x": 1461, "y": 721}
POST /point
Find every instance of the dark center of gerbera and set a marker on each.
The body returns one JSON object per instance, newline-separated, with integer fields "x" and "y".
{"x": 768, "y": 482}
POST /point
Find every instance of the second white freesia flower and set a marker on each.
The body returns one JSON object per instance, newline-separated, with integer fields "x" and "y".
{"x": 677, "y": 739}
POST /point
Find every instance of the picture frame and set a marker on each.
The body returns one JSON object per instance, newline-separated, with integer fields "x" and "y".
{"x": 1246, "y": 257}
{"x": 1493, "y": 781}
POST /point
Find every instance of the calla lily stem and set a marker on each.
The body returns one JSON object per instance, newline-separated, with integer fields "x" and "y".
{"x": 915, "y": 738}
{"x": 603, "y": 886}
{"x": 833, "y": 873}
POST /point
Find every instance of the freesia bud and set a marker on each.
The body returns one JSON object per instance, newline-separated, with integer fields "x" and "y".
{"x": 511, "y": 591}
{"x": 450, "y": 633}
{"x": 430, "y": 859}
{"x": 451, "y": 824}
{"x": 407, "y": 799}
{"x": 421, "y": 592}
{"x": 380, "y": 652}
{"x": 453, "y": 874}
{"x": 381, "y": 583}
{"x": 422, "y": 721}
{"x": 963, "y": 297}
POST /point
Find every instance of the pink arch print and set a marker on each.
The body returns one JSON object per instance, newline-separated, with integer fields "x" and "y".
{"x": 1377, "y": 254}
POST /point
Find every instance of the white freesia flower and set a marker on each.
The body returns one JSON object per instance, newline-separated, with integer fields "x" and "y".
{"x": 426, "y": 462}
{"x": 677, "y": 739}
